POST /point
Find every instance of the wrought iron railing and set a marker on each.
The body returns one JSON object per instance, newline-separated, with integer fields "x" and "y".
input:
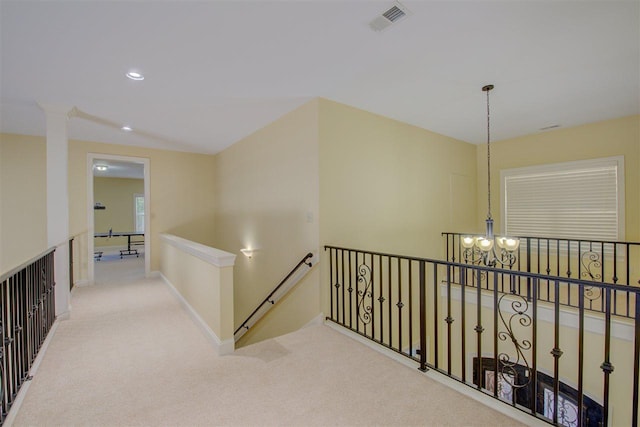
{"x": 543, "y": 358}
{"x": 277, "y": 293}
{"x": 593, "y": 260}
{"x": 27, "y": 312}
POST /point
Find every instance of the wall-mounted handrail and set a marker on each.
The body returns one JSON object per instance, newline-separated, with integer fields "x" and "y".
{"x": 268, "y": 299}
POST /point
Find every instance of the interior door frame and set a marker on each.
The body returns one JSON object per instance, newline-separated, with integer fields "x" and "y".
{"x": 91, "y": 158}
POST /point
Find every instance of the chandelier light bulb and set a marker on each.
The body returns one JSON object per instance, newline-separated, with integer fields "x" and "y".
{"x": 468, "y": 241}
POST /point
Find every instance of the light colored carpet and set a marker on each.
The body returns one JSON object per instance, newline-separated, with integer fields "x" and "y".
{"x": 131, "y": 356}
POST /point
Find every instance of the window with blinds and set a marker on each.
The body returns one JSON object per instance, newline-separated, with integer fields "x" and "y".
{"x": 577, "y": 200}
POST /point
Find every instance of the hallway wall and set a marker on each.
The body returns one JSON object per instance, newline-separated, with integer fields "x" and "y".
{"x": 23, "y": 199}
{"x": 181, "y": 188}
{"x": 389, "y": 186}
{"x": 266, "y": 193}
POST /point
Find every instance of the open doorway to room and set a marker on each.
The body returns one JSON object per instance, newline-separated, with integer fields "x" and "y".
{"x": 117, "y": 217}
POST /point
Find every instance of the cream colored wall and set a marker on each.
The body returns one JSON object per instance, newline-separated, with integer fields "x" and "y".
{"x": 619, "y": 137}
{"x": 390, "y": 187}
{"x": 23, "y": 190}
{"x": 206, "y": 287}
{"x": 116, "y": 194}
{"x": 181, "y": 201}
{"x": 267, "y": 199}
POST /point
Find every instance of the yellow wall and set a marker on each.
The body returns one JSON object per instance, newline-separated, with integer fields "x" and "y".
{"x": 389, "y": 186}
{"x": 23, "y": 190}
{"x": 267, "y": 199}
{"x": 619, "y": 137}
{"x": 204, "y": 284}
{"x": 117, "y": 195}
{"x": 181, "y": 200}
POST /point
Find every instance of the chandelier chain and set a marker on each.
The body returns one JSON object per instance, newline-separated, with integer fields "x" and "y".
{"x": 488, "y": 155}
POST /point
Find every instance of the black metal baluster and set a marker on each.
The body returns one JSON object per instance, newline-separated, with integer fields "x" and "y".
{"x": 436, "y": 322}
{"x": 556, "y": 353}
{"x": 373, "y": 297}
{"x": 495, "y": 340}
{"x": 568, "y": 258}
{"x": 479, "y": 329}
{"x": 332, "y": 282}
{"x": 606, "y": 366}
{"x": 410, "y": 275}
{"x": 636, "y": 362}
{"x": 628, "y": 278}
{"x": 389, "y": 305}
{"x": 580, "y": 354}
{"x": 381, "y": 298}
{"x": 615, "y": 276}
{"x": 11, "y": 350}
{"x": 449, "y": 320}
{"x": 4, "y": 309}
{"x": 357, "y": 267}
{"x": 463, "y": 355}
{"x": 399, "y": 304}
{"x": 534, "y": 349}
{"x": 350, "y": 289}
{"x": 423, "y": 318}
{"x": 344, "y": 313}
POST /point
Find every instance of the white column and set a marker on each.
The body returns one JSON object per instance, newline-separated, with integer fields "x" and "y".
{"x": 58, "y": 199}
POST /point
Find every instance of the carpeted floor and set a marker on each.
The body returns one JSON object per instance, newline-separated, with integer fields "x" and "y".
{"x": 131, "y": 356}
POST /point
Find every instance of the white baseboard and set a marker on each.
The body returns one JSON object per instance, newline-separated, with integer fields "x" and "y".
{"x": 222, "y": 347}
{"x": 13, "y": 411}
{"x": 443, "y": 379}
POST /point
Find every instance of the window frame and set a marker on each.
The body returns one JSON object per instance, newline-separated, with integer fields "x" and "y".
{"x": 135, "y": 212}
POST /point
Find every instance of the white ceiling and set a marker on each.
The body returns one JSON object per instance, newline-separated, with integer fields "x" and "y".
{"x": 216, "y": 71}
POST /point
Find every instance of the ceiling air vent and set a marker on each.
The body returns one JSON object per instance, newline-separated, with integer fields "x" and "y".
{"x": 390, "y": 16}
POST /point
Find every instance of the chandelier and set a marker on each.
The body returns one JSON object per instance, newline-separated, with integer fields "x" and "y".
{"x": 482, "y": 249}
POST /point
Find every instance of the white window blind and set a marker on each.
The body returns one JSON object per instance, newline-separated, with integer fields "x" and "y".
{"x": 577, "y": 200}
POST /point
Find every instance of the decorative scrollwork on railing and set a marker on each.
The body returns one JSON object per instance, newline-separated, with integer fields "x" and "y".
{"x": 592, "y": 264}
{"x": 508, "y": 370}
{"x": 591, "y": 261}
{"x": 365, "y": 305}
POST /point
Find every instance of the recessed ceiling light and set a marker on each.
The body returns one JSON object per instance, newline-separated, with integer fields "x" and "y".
{"x": 101, "y": 168}
{"x": 126, "y": 128}
{"x": 134, "y": 75}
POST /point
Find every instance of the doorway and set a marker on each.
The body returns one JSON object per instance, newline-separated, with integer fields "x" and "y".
{"x": 118, "y": 240}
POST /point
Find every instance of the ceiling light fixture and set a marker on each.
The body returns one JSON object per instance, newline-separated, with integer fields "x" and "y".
{"x": 480, "y": 249}
{"x": 101, "y": 168}
{"x": 134, "y": 75}
{"x": 126, "y": 128}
